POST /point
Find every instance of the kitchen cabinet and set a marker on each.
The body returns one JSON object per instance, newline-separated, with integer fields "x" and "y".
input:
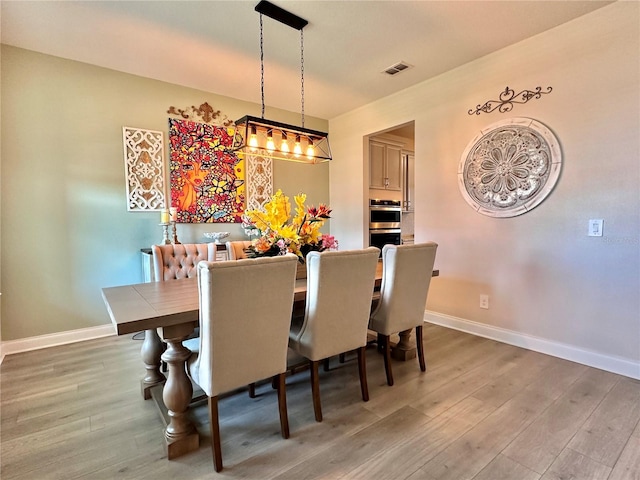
{"x": 385, "y": 165}
{"x": 408, "y": 181}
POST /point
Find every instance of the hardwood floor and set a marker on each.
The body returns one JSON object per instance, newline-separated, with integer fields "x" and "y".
{"x": 482, "y": 411}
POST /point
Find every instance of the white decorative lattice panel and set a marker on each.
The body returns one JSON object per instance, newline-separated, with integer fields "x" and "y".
{"x": 510, "y": 167}
{"x": 144, "y": 169}
{"x": 259, "y": 181}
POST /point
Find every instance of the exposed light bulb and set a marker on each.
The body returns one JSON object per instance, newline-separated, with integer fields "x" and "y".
{"x": 297, "y": 149}
{"x": 284, "y": 147}
{"x": 270, "y": 145}
{"x": 311, "y": 152}
{"x": 253, "y": 138}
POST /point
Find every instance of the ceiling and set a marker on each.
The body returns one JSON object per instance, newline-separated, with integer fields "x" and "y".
{"x": 214, "y": 45}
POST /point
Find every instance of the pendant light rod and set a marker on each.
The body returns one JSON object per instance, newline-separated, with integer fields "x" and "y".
{"x": 281, "y": 15}
{"x": 302, "y": 75}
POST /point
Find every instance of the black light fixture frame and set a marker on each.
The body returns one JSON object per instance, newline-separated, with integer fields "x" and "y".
{"x": 249, "y": 125}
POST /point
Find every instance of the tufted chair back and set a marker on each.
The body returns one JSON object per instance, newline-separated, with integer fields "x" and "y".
{"x": 236, "y": 249}
{"x": 180, "y": 260}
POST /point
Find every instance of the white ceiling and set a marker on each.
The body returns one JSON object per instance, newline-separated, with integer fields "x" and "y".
{"x": 214, "y": 45}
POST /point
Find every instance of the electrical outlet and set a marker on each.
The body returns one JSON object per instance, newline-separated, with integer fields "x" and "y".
{"x": 595, "y": 227}
{"x": 484, "y": 301}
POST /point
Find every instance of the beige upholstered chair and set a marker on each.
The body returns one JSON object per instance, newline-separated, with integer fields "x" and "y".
{"x": 236, "y": 249}
{"x": 406, "y": 276}
{"x": 250, "y": 299}
{"x": 179, "y": 260}
{"x": 339, "y": 290}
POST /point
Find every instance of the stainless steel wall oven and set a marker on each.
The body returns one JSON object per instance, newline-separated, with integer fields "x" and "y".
{"x": 384, "y": 222}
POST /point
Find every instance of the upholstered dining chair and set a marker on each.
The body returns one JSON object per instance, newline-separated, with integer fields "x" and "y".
{"x": 339, "y": 290}
{"x": 179, "y": 260}
{"x": 236, "y": 249}
{"x": 249, "y": 299}
{"x": 406, "y": 275}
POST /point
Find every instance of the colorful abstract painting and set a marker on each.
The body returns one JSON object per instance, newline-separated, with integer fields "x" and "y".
{"x": 207, "y": 178}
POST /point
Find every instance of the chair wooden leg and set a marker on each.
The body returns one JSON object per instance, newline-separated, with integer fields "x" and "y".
{"x": 282, "y": 404}
{"x": 315, "y": 390}
{"x": 252, "y": 390}
{"x": 386, "y": 350}
{"x": 216, "y": 448}
{"x": 325, "y": 366}
{"x": 420, "y": 348}
{"x": 342, "y": 357}
{"x": 362, "y": 369}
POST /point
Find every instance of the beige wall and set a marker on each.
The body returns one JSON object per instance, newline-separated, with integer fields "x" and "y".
{"x": 547, "y": 280}
{"x": 66, "y": 232}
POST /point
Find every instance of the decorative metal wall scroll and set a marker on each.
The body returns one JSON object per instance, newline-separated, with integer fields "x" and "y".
{"x": 144, "y": 169}
{"x": 506, "y": 100}
{"x": 510, "y": 167}
{"x": 204, "y": 112}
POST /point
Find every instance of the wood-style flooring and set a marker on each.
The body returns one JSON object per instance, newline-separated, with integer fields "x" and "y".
{"x": 482, "y": 411}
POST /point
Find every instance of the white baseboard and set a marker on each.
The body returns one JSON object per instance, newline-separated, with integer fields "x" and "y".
{"x": 610, "y": 363}
{"x": 51, "y": 340}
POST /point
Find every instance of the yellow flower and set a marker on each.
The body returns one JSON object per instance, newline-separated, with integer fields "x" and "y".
{"x": 279, "y": 233}
{"x": 278, "y": 210}
{"x": 301, "y": 211}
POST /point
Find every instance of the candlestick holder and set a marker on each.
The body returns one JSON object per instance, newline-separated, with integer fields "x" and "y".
{"x": 165, "y": 233}
{"x": 175, "y": 233}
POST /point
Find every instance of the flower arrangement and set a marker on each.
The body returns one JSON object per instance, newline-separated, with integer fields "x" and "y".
{"x": 279, "y": 233}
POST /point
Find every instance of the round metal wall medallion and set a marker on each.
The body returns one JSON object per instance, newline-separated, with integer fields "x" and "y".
{"x": 510, "y": 167}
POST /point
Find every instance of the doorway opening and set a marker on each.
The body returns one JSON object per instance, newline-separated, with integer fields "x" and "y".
{"x": 391, "y": 162}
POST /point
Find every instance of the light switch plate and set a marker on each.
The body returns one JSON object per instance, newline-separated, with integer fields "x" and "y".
{"x": 595, "y": 227}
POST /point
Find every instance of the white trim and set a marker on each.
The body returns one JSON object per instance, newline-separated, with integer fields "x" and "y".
{"x": 610, "y": 363}
{"x": 619, "y": 365}
{"x": 53, "y": 339}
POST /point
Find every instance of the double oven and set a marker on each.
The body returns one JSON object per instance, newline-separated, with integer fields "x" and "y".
{"x": 384, "y": 222}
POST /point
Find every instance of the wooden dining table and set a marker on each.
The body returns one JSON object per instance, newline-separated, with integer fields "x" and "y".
{"x": 170, "y": 310}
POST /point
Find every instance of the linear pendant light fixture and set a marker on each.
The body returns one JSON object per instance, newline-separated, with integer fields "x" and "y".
{"x": 277, "y": 140}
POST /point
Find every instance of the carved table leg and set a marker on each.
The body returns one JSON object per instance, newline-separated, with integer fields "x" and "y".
{"x": 152, "y": 348}
{"x": 180, "y": 435}
{"x": 405, "y": 349}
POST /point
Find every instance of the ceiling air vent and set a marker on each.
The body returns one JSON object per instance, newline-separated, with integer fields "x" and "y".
{"x": 397, "y": 68}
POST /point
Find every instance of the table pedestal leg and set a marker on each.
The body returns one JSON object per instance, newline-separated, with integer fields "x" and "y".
{"x": 180, "y": 435}
{"x": 152, "y": 348}
{"x": 405, "y": 349}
